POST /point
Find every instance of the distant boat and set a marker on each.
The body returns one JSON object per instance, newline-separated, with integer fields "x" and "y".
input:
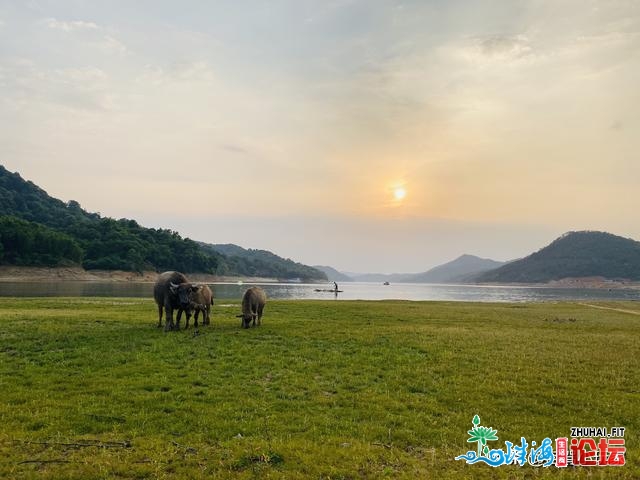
{"x": 327, "y": 290}
{"x": 386, "y": 283}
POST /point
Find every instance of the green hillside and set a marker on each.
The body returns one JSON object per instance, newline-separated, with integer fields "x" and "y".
{"x": 38, "y": 230}
{"x": 575, "y": 254}
{"x": 28, "y": 243}
{"x": 262, "y": 263}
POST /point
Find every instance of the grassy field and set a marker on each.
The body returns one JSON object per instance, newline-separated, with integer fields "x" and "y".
{"x": 89, "y": 388}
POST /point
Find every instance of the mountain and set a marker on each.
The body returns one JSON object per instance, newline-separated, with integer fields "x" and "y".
{"x": 574, "y": 255}
{"x": 228, "y": 249}
{"x": 39, "y": 230}
{"x": 378, "y": 277}
{"x": 262, "y": 263}
{"x": 332, "y": 274}
{"x": 459, "y": 270}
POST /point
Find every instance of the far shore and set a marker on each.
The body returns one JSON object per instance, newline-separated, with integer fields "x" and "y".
{"x": 75, "y": 274}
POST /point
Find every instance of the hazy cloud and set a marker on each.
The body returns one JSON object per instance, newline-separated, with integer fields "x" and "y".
{"x": 112, "y": 45}
{"x": 69, "y": 26}
{"x": 93, "y": 35}
{"x": 233, "y": 148}
{"x": 616, "y": 125}
{"x": 76, "y": 88}
{"x": 503, "y": 47}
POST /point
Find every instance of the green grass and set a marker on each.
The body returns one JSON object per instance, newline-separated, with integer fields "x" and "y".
{"x": 89, "y": 388}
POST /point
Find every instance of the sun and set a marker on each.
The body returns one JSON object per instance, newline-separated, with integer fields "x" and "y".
{"x": 399, "y": 193}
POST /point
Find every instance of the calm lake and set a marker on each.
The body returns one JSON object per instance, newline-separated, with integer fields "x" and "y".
{"x": 351, "y": 291}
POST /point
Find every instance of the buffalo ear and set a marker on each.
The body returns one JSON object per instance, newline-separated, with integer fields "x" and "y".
{"x": 195, "y": 288}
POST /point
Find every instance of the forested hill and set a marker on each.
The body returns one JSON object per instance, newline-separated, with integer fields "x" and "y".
{"x": 575, "y": 254}
{"x": 262, "y": 263}
{"x": 38, "y": 230}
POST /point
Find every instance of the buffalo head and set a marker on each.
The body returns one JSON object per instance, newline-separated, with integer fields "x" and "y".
{"x": 183, "y": 292}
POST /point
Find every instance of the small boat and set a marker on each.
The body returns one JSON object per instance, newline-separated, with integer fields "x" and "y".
{"x": 386, "y": 283}
{"x": 328, "y": 290}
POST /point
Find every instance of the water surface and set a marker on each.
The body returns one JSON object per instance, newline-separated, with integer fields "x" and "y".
{"x": 351, "y": 291}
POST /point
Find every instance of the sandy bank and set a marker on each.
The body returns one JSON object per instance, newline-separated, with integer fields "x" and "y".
{"x": 75, "y": 274}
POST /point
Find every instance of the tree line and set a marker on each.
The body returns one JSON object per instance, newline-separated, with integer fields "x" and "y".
{"x": 38, "y": 230}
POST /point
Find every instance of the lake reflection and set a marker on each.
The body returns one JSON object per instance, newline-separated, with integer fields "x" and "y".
{"x": 351, "y": 291}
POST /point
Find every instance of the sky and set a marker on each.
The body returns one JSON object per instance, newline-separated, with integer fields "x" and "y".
{"x": 371, "y": 136}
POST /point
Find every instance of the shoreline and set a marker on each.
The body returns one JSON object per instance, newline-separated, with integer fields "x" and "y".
{"x": 10, "y": 273}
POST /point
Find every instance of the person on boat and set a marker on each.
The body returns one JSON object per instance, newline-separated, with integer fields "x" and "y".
{"x": 335, "y": 286}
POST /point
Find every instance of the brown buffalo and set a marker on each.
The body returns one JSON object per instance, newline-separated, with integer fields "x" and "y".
{"x": 171, "y": 291}
{"x": 200, "y": 300}
{"x": 253, "y": 303}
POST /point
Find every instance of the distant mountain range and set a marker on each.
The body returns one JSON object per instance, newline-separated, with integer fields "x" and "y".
{"x": 580, "y": 254}
{"x": 333, "y": 275}
{"x": 461, "y": 270}
{"x": 376, "y": 277}
{"x": 39, "y": 230}
{"x": 573, "y": 255}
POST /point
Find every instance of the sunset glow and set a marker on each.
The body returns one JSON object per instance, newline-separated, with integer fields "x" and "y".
{"x": 399, "y": 193}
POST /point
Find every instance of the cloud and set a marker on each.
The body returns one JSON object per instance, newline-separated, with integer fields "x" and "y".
{"x": 93, "y": 34}
{"x": 229, "y": 147}
{"x": 496, "y": 48}
{"x": 617, "y": 126}
{"x": 112, "y": 45}
{"x": 177, "y": 73}
{"x": 70, "y": 26}
{"x": 505, "y": 47}
{"x": 33, "y": 87}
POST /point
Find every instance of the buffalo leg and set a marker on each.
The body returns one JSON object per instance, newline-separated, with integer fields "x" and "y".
{"x": 178, "y": 318}
{"x": 168, "y": 318}
{"x": 159, "y": 316}
{"x": 260, "y": 315}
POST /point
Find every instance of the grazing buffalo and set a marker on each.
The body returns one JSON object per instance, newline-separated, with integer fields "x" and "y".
{"x": 171, "y": 291}
{"x": 253, "y": 303}
{"x": 200, "y": 300}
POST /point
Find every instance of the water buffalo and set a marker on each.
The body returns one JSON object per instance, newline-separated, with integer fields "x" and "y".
{"x": 200, "y": 300}
{"x": 170, "y": 292}
{"x": 253, "y": 303}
